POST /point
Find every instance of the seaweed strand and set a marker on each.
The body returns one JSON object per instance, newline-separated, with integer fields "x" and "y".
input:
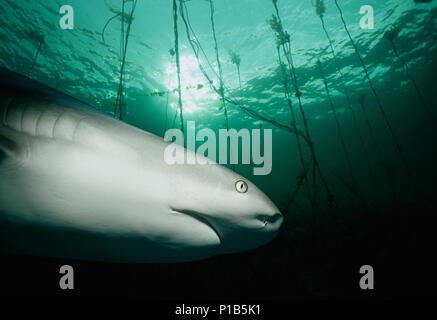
{"x": 337, "y": 122}
{"x": 36, "y": 56}
{"x": 178, "y": 66}
{"x": 39, "y": 37}
{"x": 300, "y": 182}
{"x": 235, "y": 59}
{"x": 196, "y": 47}
{"x": 287, "y": 52}
{"x": 124, "y": 40}
{"x": 369, "y": 126}
{"x": 381, "y": 108}
{"x": 260, "y": 117}
{"x": 221, "y": 88}
{"x": 413, "y": 81}
{"x": 106, "y": 25}
{"x": 193, "y": 40}
{"x": 320, "y": 11}
{"x": 293, "y": 123}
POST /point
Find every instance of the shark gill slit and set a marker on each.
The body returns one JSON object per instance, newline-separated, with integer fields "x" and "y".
{"x": 5, "y": 114}
{"x": 56, "y": 122}
{"x": 25, "y": 108}
{"x": 78, "y": 122}
{"x": 38, "y": 121}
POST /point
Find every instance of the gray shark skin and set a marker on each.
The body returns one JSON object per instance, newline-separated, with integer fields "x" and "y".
{"x": 78, "y": 184}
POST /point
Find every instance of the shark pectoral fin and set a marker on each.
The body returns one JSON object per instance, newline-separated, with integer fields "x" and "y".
{"x": 8, "y": 147}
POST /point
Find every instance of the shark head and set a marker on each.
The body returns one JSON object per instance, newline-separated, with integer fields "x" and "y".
{"x": 236, "y": 214}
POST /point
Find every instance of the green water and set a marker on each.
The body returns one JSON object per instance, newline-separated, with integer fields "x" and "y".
{"x": 80, "y": 63}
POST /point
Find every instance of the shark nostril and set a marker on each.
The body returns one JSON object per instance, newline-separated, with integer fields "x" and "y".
{"x": 273, "y": 219}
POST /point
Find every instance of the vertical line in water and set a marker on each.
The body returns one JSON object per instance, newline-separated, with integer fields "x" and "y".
{"x": 178, "y": 66}
{"x": 416, "y": 87}
{"x": 36, "y": 56}
{"x": 222, "y": 88}
{"x": 337, "y": 122}
{"x": 369, "y": 126}
{"x": 349, "y": 104}
{"x": 381, "y": 108}
{"x": 288, "y": 56}
{"x": 124, "y": 39}
{"x": 293, "y": 124}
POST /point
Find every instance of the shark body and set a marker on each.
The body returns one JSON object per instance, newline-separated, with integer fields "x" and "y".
{"x": 75, "y": 183}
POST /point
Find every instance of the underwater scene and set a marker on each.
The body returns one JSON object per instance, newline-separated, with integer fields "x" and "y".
{"x": 316, "y": 122}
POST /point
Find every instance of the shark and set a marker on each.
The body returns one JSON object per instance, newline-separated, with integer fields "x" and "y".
{"x": 76, "y": 183}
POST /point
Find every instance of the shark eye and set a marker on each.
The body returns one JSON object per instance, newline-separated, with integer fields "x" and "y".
{"x": 241, "y": 186}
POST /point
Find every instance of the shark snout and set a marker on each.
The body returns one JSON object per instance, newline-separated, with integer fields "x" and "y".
{"x": 270, "y": 215}
{"x": 274, "y": 221}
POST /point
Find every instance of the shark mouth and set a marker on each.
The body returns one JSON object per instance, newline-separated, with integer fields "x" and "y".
{"x": 200, "y": 218}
